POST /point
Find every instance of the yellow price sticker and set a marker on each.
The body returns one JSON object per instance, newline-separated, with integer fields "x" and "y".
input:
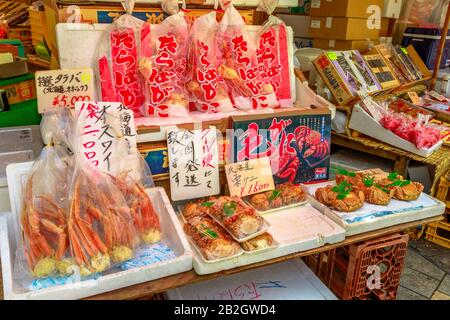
{"x": 85, "y": 78}
{"x": 332, "y": 55}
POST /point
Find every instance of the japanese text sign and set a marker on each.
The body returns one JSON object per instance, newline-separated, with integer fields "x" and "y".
{"x": 100, "y": 124}
{"x": 63, "y": 88}
{"x": 249, "y": 177}
{"x": 193, "y": 163}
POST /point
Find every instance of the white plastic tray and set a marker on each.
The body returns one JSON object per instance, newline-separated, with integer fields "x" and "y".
{"x": 294, "y": 229}
{"x": 361, "y": 121}
{"x": 372, "y": 217}
{"x": 172, "y": 233}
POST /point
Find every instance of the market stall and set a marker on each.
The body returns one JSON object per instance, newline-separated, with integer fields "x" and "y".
{"x": 184, "y": 145}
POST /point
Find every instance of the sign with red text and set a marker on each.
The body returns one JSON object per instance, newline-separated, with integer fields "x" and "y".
{"x": 100, "y": 125}
{"x": 193, "y": 163}
{"x": 249, "y": 177}
{"x": 63, "y": 88}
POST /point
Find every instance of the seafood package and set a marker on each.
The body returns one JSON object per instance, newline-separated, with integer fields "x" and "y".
{"x": 163, "y": 62}
{"x": 117, "y": 63}
{"x": 207, "y": 89}
{"x": 43, "y": 219}
{"x": 236, "y": 217}
{"x": 100, "y": 225}
{"x": 284, "y": 195}
{"x": 132, "y": 177}
{"x": 262, "y": 242}
{"x": 210, "y": 239}
{"x": 273, "y": 54}
{"x": 239, "y": 64}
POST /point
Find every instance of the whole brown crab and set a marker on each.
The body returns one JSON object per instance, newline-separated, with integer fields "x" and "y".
{"x": 349, "y": 202}
{"x": 406, "y": 192}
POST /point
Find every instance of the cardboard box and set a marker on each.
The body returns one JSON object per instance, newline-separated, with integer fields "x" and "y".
{"x": 333, "y": 80}
{"x": 343, "y": 28}
{"x": 331, "y": 44}
{"x": 19, "y": 89}
{"x": 392, "y": 9}
{"x": 299, "y": 24}
{"x": 345, "y": 8}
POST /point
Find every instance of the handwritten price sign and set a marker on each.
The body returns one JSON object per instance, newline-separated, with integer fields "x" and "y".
{"x": 249, "y": 177}
{"x": 63, "y": 88}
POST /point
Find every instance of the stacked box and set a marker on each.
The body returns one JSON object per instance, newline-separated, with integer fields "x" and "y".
{"x": 348, "y": 22}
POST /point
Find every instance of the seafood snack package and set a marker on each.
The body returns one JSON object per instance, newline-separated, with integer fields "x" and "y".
{"x": 117, "y": 62}
{"x": 239, "y": 64}
{"x": 273, "y": 55}
{"x": 163, "y": 63}
{"x": 44, "y": 250}
{"x": 206, "y": 86}
{"x": 132, "y": 178}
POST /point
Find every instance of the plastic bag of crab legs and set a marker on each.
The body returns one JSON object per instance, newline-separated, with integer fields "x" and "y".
{"x": 99, "y": 226}
{"x": 117, "y": 61}
{"x": 208, "y": 91}
{"x": 43, "y": 219}
{"x": 273, "y": 55}
{"x": 163, "y": 63}
{"x": 132, "y": 176}
{"x": 239, "y": 64}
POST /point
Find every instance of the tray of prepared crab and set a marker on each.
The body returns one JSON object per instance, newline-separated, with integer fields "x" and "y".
{"x": 240, "y": 220}
{"x": 284, "y": 196}
{"x": 371, "y": 199}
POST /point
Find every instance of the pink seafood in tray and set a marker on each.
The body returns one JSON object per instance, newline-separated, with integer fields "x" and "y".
{"x": 206, "y": 86}
{"x": 239, "y": 66}
{"x": 163, "y": 66}
{"x": 117, "y": 63}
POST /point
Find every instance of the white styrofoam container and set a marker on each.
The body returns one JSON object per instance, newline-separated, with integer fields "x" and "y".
{"x": 392, "y": 9}
{"x": 288, "y": 280}
{"x": 361, "y": 121}
{"x": 173, "y": 237}
{"x": 295, "y": 229}
{"x": 424, "y": 207}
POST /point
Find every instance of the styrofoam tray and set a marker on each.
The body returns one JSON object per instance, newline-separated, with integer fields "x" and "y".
{"x": 294, "y": 229}
{"x": 173, "y": 236}
{"x": 362, "y": 122}
{"x": 372, "y": 217}
{"x": 288, "y": 280}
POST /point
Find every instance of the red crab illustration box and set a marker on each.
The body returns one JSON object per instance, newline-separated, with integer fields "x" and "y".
{"x": 296, "y": 141}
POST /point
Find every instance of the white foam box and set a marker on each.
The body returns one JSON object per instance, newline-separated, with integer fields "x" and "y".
{"x": 295, "y": 229}
{"x": 372, "y": 217}
{"x": 362, "y": 122}
{"x": 289, "y": 280}
{"x": 173, "y": 237}
{"x": 392, "y": 9}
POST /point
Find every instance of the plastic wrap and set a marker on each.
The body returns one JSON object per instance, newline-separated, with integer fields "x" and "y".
{"x": 239, "y": 66}
{"x": 117, "y": 63}
{"x": 206, "y": 86}
{"x": 163, "y": 65}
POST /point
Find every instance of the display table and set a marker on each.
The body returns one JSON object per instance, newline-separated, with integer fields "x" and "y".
{"x": 147, "y": 289}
